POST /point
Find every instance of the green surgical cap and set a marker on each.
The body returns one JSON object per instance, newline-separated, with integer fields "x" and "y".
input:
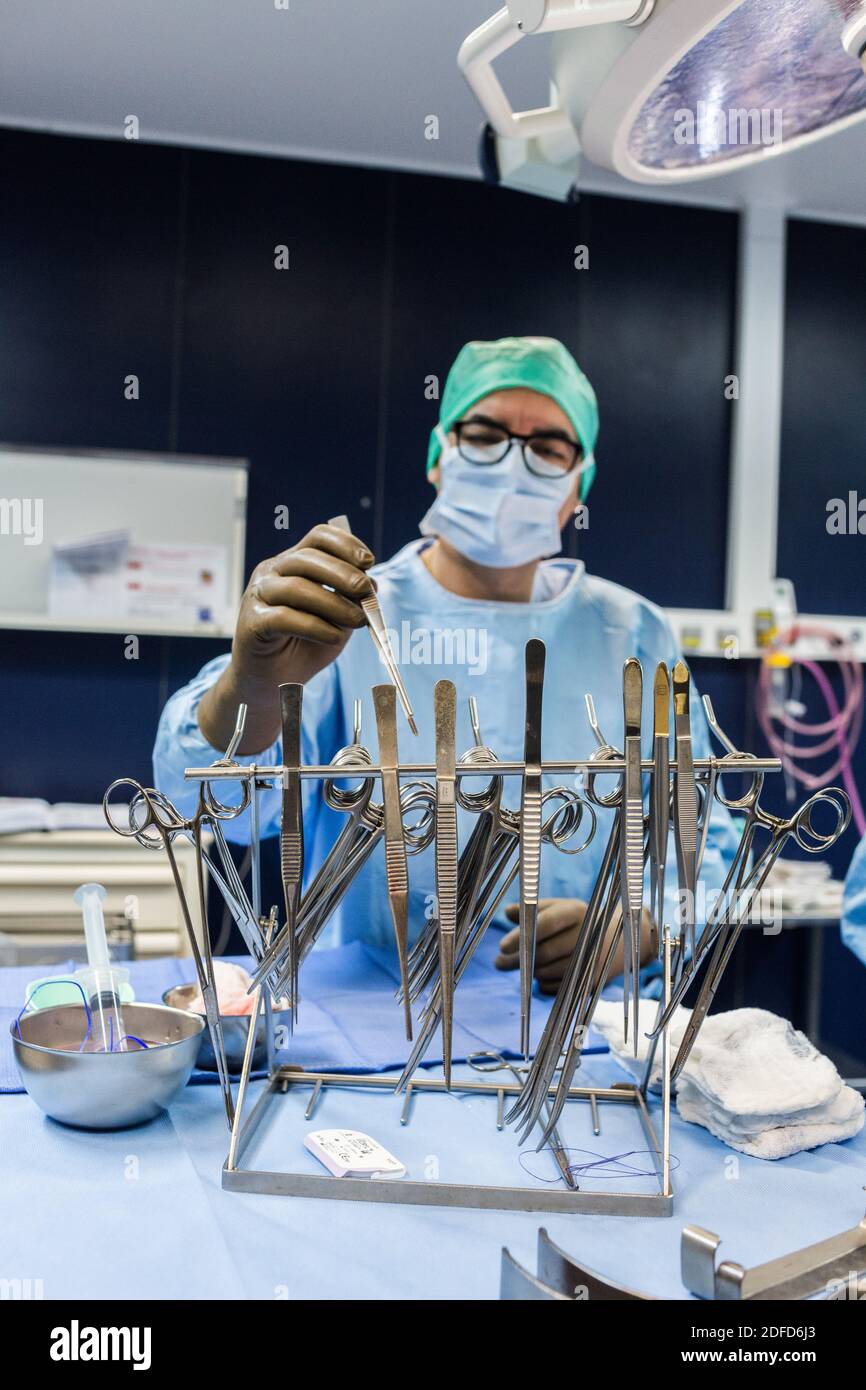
{"x": 540, "y": 364}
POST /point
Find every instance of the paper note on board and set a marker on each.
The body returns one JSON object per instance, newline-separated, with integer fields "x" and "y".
{"x": 181, "y": 584}
{"x": 108, "y": 577}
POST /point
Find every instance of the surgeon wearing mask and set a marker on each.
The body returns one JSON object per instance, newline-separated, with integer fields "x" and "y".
{"x": 511, "y": 459}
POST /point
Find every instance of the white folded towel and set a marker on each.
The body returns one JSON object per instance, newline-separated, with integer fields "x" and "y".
{"x": 751, "y": 1079}
{"x": 765, "y": 1136}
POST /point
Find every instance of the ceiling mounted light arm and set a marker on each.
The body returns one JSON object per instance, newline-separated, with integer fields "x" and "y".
{"x": 512, "y": 23}
{"x": 669, "y": 90}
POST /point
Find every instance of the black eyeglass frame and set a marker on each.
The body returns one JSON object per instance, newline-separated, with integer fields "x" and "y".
{"x": 522, "y": 440}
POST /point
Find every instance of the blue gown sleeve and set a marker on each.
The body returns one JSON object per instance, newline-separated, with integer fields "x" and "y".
{"x": 181, "y": 744}
{"x": 854, "y": 903}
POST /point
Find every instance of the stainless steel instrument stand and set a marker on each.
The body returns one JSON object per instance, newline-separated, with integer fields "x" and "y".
{"x": 406, "y": 1191}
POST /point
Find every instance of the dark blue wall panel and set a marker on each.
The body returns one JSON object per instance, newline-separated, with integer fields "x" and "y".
{"x": 284, "y": 366}
{"x": 824, "y": 420}
{"x": 88, "y": 247}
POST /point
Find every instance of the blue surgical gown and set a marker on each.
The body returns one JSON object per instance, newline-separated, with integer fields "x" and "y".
{"x": 589, "y": 625}
{"x": 854, "y": 906}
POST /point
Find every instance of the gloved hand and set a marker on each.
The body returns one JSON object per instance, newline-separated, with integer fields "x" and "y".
{"x": 301, "y": 607}
{"x": 559, "y": 923}
{"x": 298, "y": 612}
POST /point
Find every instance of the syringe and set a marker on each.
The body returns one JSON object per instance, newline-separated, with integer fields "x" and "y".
{"x": 108, "y": 1032}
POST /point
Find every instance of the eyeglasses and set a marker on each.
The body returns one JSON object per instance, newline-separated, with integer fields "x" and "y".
{"x": 483, "y": 442}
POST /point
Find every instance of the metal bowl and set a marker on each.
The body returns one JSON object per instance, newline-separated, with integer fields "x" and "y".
{"x": 235, "y": 1030}
{"x": 106, "y": 1090}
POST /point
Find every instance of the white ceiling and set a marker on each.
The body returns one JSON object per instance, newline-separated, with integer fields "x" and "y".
{"x": 344, "y": 80}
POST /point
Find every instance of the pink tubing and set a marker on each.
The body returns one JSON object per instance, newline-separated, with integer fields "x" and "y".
{"x": 843, "y": 726}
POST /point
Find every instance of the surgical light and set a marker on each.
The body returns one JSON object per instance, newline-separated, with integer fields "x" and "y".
{"x": 662, "y": 91}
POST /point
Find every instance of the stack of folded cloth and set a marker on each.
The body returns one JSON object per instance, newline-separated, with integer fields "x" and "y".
{"x": 751, "y": 1079}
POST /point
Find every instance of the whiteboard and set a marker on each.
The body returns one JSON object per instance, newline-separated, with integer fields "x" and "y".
{"x": 51, "y": 497}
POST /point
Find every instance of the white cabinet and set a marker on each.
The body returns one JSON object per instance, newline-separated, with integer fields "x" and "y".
{"x": 40, "y": 870}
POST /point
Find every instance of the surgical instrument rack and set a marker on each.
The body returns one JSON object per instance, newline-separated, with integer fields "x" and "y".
{"x": 470, "y": 886}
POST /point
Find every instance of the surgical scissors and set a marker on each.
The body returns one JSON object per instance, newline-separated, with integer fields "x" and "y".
{"x": 726, "y": 930}
{"x": 742, "y": 882}
{"x": 154, "y": 823}
{"x": 491, "y": 846}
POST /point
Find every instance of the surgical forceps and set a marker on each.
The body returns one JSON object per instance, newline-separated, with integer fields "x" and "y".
{"x": 660, "y": 796}
{"x": 154, "y": 822}
{"x": 530, "y": 831}
{"x": 445, "y": 715}
{"x": 291, "y": 829}
{"x": 587, "y": 969}
{"x": 685, "y": 803}
{"x": 491, "y": 844}
{"x": 379, "y": 634}
{"x": 488, "y": 1062}
{"x": 634, "y": 845}
{"x": 632, "y": 839}
{"x": 396, "y": 869}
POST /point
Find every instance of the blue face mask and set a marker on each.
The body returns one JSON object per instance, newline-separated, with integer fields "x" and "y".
{"x": 499, "y": 515}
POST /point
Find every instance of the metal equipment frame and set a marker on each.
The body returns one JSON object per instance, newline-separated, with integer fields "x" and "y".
{"x": 478, "y": 1196}
{"x": 283, "y": 1078}
{"x": 635, "y": 841}
{"x": 403, "y": 1191}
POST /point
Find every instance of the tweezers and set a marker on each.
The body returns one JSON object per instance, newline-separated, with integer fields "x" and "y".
{"x": 292, "y": 828}
{"x": 379, "y": 634}
{"x": 445, "y": 714}
{"x": 530, "y": 831}
{"x": 396, "y": 867}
